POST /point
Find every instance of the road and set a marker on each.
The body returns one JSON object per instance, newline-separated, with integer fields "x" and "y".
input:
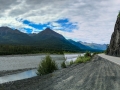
{"x": 98, "y": 74}
{"x": 111, "y": 58}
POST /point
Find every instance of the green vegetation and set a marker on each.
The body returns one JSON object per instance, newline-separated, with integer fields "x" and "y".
{"x": 2, "y": 87}
{"x": 24, "y": 49}
{"x": 82, "y": 59}
{"x": 71, "y": 62}
{"x": 118, "y": 14}
{"x": 107, "y": 50}
{"x": 47, "y": 66}
{"x": 63, "y": 65}
{"x": 30, "y": 49}
{"x": 15, "y": 49}
{"x": 88, "y": 54}
{"x": 94, "y": 54}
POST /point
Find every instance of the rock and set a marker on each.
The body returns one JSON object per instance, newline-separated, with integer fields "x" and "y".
{"x": 114, "y": 47}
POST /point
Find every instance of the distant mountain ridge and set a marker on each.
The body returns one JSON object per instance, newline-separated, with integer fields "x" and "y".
{"x": 46, "y": 39}
{"x": 94, "y": 45}
{"x": 78, "y": 44}
{"x": 84, "y": 47}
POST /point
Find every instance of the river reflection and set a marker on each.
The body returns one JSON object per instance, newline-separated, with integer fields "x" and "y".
{"x": 19, "y": 76}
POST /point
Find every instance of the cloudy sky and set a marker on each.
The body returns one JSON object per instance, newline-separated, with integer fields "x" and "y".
{"x": 80, "y": 20}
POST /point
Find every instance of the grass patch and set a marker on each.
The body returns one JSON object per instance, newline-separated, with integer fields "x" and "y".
{"x": 82, "y": 59}
{"x": 63, "y": 65}
{"x": 46, "y": 66}
{"x": 2, "y": 87}
{"x": 87, "y": 54}
{"x": 71, "y": 62}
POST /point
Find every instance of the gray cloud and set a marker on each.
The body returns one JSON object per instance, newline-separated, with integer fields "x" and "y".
{"x": 5, "y": 5}
{"x": 95, "y": 18}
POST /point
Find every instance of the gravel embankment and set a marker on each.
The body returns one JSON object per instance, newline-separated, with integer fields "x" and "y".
{"x": 99, "y": 74}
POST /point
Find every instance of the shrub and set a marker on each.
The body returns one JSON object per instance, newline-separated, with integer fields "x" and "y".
{"x": 63, "y": 65}
{"x": 46, "y": 66}
{"x": 82, "y": 59}
{"x": 88, "y": 54}
{"x": 71, "y": 62}
{"x": 2, "y": 87}
{"x": 94, "y": 54}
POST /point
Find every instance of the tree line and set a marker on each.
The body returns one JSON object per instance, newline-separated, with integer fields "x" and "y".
{"x": 24, "y": 49}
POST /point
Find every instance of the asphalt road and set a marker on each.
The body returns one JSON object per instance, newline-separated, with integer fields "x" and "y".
{"x": 98, "y": 74}
{"x": 111, "y": 58}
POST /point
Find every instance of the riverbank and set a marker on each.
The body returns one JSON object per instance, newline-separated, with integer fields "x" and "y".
{"x": 10, "y": 72}
{"x": 98, "y": 74}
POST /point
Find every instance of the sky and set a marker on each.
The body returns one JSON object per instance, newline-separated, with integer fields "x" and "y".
{"x": 81, "y": 20}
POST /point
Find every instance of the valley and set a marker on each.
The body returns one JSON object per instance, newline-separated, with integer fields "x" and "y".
{"x": 59, "y": 45}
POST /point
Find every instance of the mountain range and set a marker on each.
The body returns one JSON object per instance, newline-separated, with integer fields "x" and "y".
{"x": 88, "y": 46}
{"x": 94, "y": 45}
{"x": 46, "y": 39}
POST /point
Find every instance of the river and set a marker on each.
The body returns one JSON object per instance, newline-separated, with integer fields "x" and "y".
{"x": 15, "y": 62}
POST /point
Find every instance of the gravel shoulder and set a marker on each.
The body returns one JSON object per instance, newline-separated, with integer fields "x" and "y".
{"x": 98, "y": 74}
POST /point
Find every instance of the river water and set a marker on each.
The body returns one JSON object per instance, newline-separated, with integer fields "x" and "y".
{"x": 16, "y": 62}
{"x": 18, "y": 76}
{"x": 31, "y": 61}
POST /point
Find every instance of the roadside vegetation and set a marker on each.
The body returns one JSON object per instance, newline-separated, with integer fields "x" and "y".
{"x": 63, "y": 65}
{"x": 2, "y": 88}
{"x": 46, "y": 66}
{"x": 71, "y": 62}
{"x": 81, "y": 59}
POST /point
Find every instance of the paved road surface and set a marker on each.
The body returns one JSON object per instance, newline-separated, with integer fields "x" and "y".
{"x": 111, "y": 58}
